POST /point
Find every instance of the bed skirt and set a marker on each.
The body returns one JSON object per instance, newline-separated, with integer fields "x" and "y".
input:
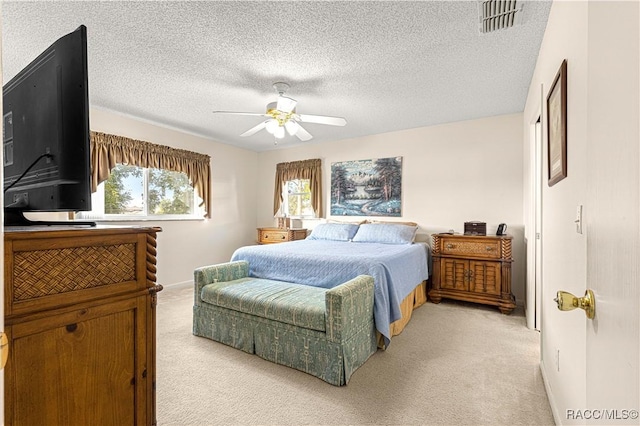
{"x": 415, "y": 299}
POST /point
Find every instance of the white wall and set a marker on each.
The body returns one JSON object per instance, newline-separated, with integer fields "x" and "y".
{"x": 185, "y": 245}
{"x": 563, "y": 250}
{"x": 452, "y": 173}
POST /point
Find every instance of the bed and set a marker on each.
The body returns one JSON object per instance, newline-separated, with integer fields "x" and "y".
{"x": 335, "y": 253}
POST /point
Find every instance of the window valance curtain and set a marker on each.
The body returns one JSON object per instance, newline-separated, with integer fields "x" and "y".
{"x": 108, "y": 150}
{"x": 305, "y": 169}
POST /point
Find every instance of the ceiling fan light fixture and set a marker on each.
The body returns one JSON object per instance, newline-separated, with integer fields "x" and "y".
{"x": 272, "y": 108}
{"x": 282, "y": 118}
{"x": 272, "y": 126}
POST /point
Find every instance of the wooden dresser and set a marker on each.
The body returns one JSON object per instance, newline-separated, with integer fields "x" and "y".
{"x": 80, "y": 318}
{"x": 280, "y": 235}
{"x": 473, "y": 268}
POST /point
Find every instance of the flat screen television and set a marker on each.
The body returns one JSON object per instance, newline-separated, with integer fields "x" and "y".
{"x": 46, "y": 135}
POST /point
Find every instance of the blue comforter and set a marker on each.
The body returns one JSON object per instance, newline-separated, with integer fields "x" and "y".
{"x": 396, "y": 269}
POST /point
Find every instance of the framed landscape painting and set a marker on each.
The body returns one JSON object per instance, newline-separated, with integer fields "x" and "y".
{"x": 367, "y": 187}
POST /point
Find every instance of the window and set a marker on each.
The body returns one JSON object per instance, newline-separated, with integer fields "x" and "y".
{"x": 297, "y": 198}
{"x": 158, "y": 182}
{"x": 298, "y": 183}
{"x": 136, "y": 193}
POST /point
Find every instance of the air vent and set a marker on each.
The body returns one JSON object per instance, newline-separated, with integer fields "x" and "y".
{"x": 499, "y": 14}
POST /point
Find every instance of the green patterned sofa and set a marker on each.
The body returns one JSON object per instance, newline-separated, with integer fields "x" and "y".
{"x": 328, "y": 333}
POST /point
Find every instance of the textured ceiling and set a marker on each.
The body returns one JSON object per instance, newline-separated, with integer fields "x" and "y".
{"x": 384, "y": 66}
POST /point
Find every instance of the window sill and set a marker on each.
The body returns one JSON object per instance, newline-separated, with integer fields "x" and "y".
{"x": 144, "y": 219}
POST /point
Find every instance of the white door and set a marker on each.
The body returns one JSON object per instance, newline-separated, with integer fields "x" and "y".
{"x": 594, "y": 379}
{"x": 613, "y": 213}
{"x": 1, "y": 248}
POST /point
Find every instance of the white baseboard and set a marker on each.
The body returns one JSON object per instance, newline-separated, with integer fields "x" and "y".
{"x": 180, "y": 284}
{"x": 554, "y": 409}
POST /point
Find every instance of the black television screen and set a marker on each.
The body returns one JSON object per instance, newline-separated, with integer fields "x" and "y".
{"x": 46, "y": 133}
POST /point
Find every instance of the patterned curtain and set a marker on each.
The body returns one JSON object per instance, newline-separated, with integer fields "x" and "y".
{"x": 305, "y": 169}
{"x": 108, "y": 150}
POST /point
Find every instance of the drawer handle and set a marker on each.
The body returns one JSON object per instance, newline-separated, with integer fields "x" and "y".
{"x": 489, "y": 248}
{"x": 283, "y": 237}
{"x": 450, "y": 246}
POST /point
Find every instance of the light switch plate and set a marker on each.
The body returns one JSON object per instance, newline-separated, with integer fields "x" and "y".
{"x": 578, "y": 220}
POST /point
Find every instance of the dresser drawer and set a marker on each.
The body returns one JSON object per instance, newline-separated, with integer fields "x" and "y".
{"x": 280, "y": 235}
{"x": 46, "y": 273}
{"x": 475, "y": 248}
{"x": 297, "y": 234}
{"x": 273, "y": 236}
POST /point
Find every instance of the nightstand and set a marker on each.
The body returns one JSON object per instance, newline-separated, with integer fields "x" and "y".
{"x": 473, "y": 268}
{"x": 280, "y": 235}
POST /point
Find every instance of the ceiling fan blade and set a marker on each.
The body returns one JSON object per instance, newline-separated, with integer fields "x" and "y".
{"x": 285, "y": 104}
{"x": 255, "y": 114}
{"x": 255, "y": 129}
{"x": 322, "y": 119}
{"x": 292, "y": 127}
{"x": 302, "y": 134}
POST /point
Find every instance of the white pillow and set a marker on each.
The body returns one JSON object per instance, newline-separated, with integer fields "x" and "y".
{"x": 385, "y": 233}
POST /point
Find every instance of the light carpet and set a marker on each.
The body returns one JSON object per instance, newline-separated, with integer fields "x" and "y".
{"x": 454, "y": 364}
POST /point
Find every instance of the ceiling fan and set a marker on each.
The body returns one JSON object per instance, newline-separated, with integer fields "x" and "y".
{"x": 282, "y": 116}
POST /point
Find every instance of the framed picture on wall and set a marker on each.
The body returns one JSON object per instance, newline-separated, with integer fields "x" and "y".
{"x": 367, "y": 187}
{"x": 557, "y": 126}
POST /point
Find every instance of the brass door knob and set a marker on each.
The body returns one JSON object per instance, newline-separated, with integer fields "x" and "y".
{"x": 568, "y": 302}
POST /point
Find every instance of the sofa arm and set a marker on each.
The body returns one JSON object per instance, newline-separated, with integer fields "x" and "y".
{"x": 218, "y": 273}
{"x": 349, "y": 308}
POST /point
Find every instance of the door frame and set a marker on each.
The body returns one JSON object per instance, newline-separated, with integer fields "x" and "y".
{"x": 533, "y": 293}
{"x": 1, "y": 248}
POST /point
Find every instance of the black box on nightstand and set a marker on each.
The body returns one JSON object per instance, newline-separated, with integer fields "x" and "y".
{"x": 475, "y": 228}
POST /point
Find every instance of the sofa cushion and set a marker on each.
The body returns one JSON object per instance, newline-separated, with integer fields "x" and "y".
{"x": 296, "y": 304}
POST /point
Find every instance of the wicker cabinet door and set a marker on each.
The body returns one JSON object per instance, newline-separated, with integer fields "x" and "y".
{"x": 454, "y": 275}
{"x": 485, "y": 277}
{"x": 80, "y": 367}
